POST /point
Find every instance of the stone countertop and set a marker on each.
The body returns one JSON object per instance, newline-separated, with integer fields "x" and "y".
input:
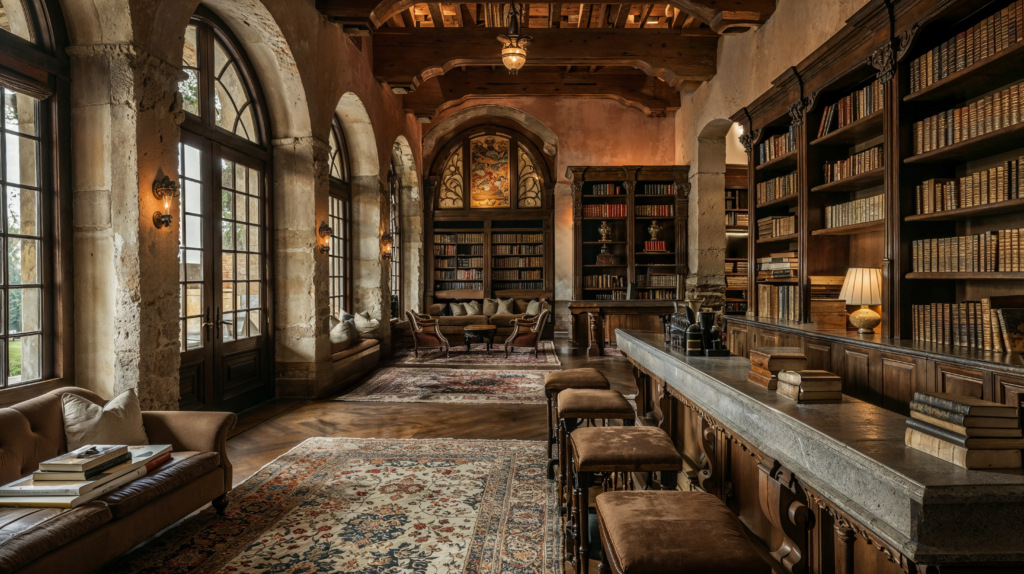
{"x": 853, "y": 453}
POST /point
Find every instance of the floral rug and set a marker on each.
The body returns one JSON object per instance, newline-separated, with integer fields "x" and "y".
{"x": 377, "y": 506}
{"x": 394, "y": 385}
{"x": 479, "y": 357}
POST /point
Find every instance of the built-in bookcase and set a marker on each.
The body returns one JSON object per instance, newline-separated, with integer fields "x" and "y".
{"x": 737, "y": 235}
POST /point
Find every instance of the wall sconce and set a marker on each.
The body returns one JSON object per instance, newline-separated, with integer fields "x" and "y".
{"x": 164, "y": 189}
{"x": 387, "y": 241}
{"x": 325, "y": 232}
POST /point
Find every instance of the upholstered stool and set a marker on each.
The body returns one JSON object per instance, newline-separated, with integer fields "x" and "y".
{"x": 613, "y": 449}
{"x": 585, "y": 404}
{"x": 669, "y": 532}
{"x": 557, "y": 381}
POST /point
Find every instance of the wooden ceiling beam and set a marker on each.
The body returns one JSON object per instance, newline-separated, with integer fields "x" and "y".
{"x": 467, "y": 15}
{"x": 524, "y": 22}
{"x": 602, "y": 15}
{"x": 622, "y": 16}
{"x": 404, "y": 57}
{"x": 555, "y": 15}
{"x": 458, "y": 15}
{"x": 584, "y": 21}
{"x": 435, "y": 14}
{"x": 409, "y": 18}
{"x": 645, "y": 13}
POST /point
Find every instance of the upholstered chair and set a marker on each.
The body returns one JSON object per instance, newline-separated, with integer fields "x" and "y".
{"x": 426, "y": 333}
{"x": 526, "y": 332}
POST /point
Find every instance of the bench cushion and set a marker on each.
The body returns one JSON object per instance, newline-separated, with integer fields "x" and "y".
{"x": 585, "y": 378}
{"x": 29, "y": 533}
{"x": 624, "y": 449}
{"x": 362, "y": 346}
{"x": 504, "y": 320}
{"x": 657, "y": 532}
{"x": 593, "y": 404}
{"x": 182, "y": 469}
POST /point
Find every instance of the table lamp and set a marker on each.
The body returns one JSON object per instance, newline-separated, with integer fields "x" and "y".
{"x": 863, "y": 287}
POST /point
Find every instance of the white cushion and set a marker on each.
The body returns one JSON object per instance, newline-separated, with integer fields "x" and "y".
{"x": 533, "y": 308}
{"x": 506, "y": 307}
{"x": 490, "y": 307}
{"x": 458, "y": 309}
{"x": 343, "y": 333}
{"x": 119, "y": 422}
{"x": 365, "y": 324}
{"x": 472, "y": 307}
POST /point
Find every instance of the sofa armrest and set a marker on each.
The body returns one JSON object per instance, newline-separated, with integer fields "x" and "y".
{"x": 191, "y": 430}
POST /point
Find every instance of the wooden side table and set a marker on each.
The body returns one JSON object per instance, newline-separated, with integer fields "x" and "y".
{"x": 480, "y": 334}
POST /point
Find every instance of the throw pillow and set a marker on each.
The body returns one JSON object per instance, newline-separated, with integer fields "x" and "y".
{"x": 365, "y": 324}
{"x": 344, "y": 317}
{"x": 446, "y": 310}
{"x": 343, "y": 333}
{"x": 472, "y": 307}
{"x": 521, "y": 305}
{"x": 119, "y": 422}
{"x": 458, "y": 309}
{"x": 533, "y": 308}
{"x": 505, "y": 307}
{"x": 490, "y": 307}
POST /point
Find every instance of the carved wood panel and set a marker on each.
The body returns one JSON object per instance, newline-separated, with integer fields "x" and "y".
{"x": 767, "y": 339}
{"x": 856, "y": 374}
{"x": 899, "y": 382}
{"x": 738, "y": 340}
{"x": 1010, "y": 390}
{"x": 819, "y": 354}
{"x": 954, "y": 379}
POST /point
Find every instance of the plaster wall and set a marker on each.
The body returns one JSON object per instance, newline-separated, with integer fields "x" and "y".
{"x": 588, "y": 132}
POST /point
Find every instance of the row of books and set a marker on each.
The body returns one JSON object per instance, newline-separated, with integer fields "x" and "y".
{"x": 776, "y": 226}
{"x": 778, "y": 302}
{"x": 606, "y": 189}
{"x": 605, "y": 210}
{"x": 992, "y": 324}
{"x": 613, "y": 296}
{"x": 656, "y": 246}
{"x": 460, "y": 262}
{"x": 736, "y": 306}
{"x": 452, "y": 238}
{"x": 777, "y": 146}
{"x": 731, "y": 201}
{"x": 736, "y": 281}
{"x": 465, "y": 275}
{"x": 518, "y": 249}
{"x": 659, "y": 189}
{"x": 992, "y": 185}
{"x": 966, "y": 431}
{"x": 655, "y": 210}
{"x": 856, "y": 106}
{"x": 992, "y": 251}
{"x": 513, "y": 262}
{"x": 515, "y": 275}
{"x": 736, "y": 266}
{"x": 778, "y": 265}
{"x": 517, "y": 238}
{"x": 519, "y": 285}
{"x": 856, "y": 211}
{"x": 657, "y": 294}
{"x": 985, "y": 115}
{"x": 656, "y": 280}
{"x": 86, "y": 473}
{"x": 776, "y": 188}
{"x": 987, "y": 37}
{"x": 856, "y": 164}
{"x": 444, "y": 250}
{"x": 737, "y": 218}
{"x": 448, "y": 285}
{"x": 603, "y": 281}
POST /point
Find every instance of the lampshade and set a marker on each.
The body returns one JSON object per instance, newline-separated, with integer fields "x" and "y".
{"x": 862, "y": 287}
{"x": 513, "y": 57}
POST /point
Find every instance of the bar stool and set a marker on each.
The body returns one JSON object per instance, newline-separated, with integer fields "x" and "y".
{"x": 667, "y": 532}
{"x": 585, "y": 404}
{"x": 557, "y": 381}
{"x": 613, "y": 449}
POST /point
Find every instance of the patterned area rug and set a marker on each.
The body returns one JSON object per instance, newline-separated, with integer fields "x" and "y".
{"x": 377, "y": 506}
{"x": 479, "y": 357}
{"x": 394, "y": 385}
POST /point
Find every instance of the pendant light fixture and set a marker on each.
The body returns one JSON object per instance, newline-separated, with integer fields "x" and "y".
{"x": 513, "y": 46}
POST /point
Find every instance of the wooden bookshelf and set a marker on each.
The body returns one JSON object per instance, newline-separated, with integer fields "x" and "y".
{"x": 865, "y": 180}
{"x": 967, "y": 213}
{"x": 737, "y": 238}
{"x": 855, "y": 229}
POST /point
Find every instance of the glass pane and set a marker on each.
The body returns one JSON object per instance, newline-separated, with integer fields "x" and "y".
{"x": 193, "y": 162}
{"x": 227, "y": 174}
{"x": 228, "y": 299}
{"x": 16, "y": 19}
{"x": 246, "y": 127}
{"x": 23, "y": 261}
{"x": 193, "y": 333}
{"x": 254, "y": 295}
{"x": 240, "y": 205}
{"x": 335, "y": 156}
{"x": 22, "y": 211}
{"x": 21, "y": 161}
{"x": 220, "y": 58}
{"x": 26, "y": 359}
{"x": 20, "y": 113}
{"x": 193, "y": 299}
{"x": 228, "y": 326}
{"x": 193, "y": 231}
{"x": 254, "y": 182}
{"x": 190, "y": 56}
{"x": 254, "y": 323}
{"x": 189, "y": 88}
{"x": 227, "y": 113}
{"x": 240, "y": 330}
{"x": 226, "y": 235}
{"x": 242, "y": 292}
{"x": 489, "y": 181}
{"x": 227, "y": 267}
{"x": 240, "y": 172}
{"x": 227, "y": 204}
{"x": 254, "y": 210}
{"x": 193, "y": 197}
{"x": 254, "y": 267}
{"x": 239, "y": 237}
{"x": 193, "y": 265}
{"x": 242, "y": 259}
{"x": 24, "y": 310}
{"x": 254, "y": 239}
{"x": 231, "y": 80}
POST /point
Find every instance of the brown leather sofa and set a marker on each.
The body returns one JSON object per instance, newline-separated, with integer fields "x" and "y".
{"x": 453, "y": 328}
{"x": 83, "y": 539}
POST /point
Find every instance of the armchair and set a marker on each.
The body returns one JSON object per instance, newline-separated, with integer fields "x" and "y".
{"x": 526, "y": 332}
{"x": 426, "y": 333}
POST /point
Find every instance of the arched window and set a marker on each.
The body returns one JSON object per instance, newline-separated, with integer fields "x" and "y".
{"x": 33, "y": 96}
{"x": 395, "y": 227}
{"x": 490, "y": 168}
{"x": 224, "y": 177}
{"x": 340, "y": 210}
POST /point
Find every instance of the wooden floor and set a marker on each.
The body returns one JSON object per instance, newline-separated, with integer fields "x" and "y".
{"x": 268, "y": 431}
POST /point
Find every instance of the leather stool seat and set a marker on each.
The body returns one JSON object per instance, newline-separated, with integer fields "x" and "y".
{"x": 585, "y": 378}
{"x": 624, "y": 449}
{"x": 593, "y": 404}
{"x": 662, "y": 532}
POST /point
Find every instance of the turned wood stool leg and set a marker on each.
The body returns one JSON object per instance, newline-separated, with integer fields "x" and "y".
{"x": 551, "y": 427}
{"x": 570, "y": 524}
{"x": 585, "y": 479}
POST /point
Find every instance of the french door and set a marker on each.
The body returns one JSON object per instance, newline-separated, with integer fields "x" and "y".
{"x": 225, "y": 343}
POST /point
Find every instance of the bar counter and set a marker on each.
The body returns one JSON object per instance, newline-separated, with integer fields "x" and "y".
{"x": 847, "y": 460}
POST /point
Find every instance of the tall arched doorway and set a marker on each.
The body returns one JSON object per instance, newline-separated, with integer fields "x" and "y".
{"x": 226, "y": 361}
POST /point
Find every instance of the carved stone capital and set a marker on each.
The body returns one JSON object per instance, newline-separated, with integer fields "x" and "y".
{"x": 576, "y": 187}
{"x": 683, "y": 188}
{"x": 629, "y": 186}
{"x": 748, "y": 139}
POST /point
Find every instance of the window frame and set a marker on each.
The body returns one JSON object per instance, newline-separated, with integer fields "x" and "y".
{"x": 395, "y": 228}
{"x": 341, "y": 190}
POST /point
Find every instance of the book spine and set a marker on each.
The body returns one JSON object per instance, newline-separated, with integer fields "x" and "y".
{"x": 937, "y": 432}
{"x": 937, "y": 412}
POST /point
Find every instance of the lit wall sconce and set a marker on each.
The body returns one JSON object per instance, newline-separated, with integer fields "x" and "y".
{"x": 164, "y": 189}
{"x": 325, "y": 232}
{"x": 387, "y": 241}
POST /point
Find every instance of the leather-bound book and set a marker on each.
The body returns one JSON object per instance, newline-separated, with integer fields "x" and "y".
{"x": 960, "y": 456}
{"x": 965, "y": 405}
{"x": 777, "y": 359}
{"x": 770, "y": 383}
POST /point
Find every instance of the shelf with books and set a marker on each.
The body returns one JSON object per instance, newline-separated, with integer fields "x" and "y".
{"x": 968, "y": 275}
{"x": 786, "y": 162}
{"x": 866, "y": 128}
{"x": 792, "y": 237}
{"x": 982, "y": 146}
{"x": 855, "y": 229}
{"x": 784, "y": 200}
{"x": 865, "y": 180}
{"x": 968, "y": 213}
{"x": 980, "y": 78}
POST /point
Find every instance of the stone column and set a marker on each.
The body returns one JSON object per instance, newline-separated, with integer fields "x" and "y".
{"x": 706, "y": 224}
{"x": 301, "y": 307}
{"x": 564, "y": 264}
{"x": 371, "y": 278}
{"x": 126, "y": 113}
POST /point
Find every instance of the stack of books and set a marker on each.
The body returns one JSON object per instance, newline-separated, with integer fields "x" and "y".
{"x": 767, "y": 362}
{"x": 810, "y": 386}
{"x": 965, "y": 431}
{"x": 81, "y": 475}
{"x": 778, "y": 265}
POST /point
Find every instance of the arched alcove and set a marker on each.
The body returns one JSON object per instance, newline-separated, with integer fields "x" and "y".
{"x": 412, "y": 222}
{"x": 545, "y": 139}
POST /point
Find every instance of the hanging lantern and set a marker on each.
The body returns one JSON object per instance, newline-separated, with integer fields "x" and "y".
{"x": 513, "y": 46}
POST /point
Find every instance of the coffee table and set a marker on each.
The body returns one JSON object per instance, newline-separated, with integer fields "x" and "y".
{"x": 480, "y": 334}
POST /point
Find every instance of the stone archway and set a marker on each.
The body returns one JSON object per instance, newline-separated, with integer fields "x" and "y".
{"x": 413, "y": 281}
{"x": 446, "y": 128}
{"x": 706, "y": 250}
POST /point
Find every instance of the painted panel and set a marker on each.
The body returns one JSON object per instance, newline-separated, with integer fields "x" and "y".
{"x": 489, "y": 172}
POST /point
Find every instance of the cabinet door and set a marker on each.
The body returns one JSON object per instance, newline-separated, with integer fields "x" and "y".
{"x": 1009, "y": 389}
{"x": 819, "y": 354}
{"x": 738, "y": 339}
{"x": 767, "y": 339}
{"x": 857, "y": 374}
{"x": 955, "y": 379}
{"x": 899, "y": 376}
